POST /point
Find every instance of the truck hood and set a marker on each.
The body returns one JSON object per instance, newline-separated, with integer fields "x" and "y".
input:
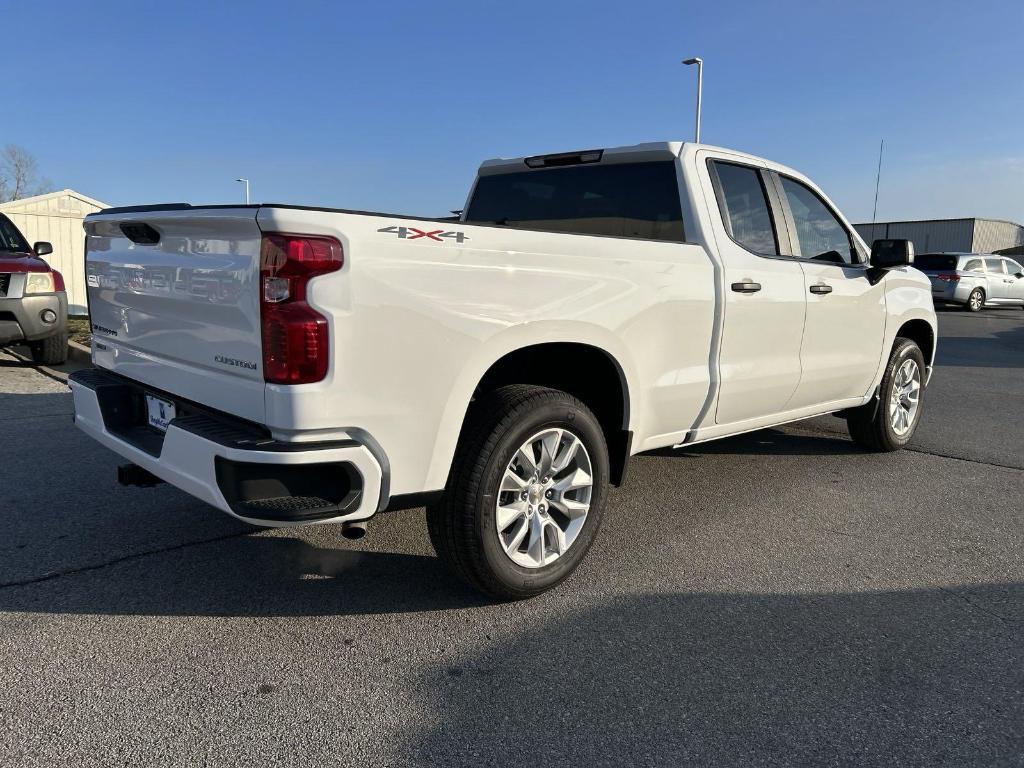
{"x": 22, "y": 262}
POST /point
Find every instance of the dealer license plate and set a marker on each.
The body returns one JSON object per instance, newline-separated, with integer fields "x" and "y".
{"x": 160, "y": 412}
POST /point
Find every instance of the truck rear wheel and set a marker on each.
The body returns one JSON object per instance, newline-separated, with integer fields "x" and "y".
{"x": 525, "y": 494}
{"x": 51, "y": 351}
{"x": 888, "y": 423}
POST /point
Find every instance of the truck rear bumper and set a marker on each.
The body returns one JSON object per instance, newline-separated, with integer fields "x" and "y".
{"x": 229, "y": 464}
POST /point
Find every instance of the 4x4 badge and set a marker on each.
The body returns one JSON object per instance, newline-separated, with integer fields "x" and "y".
{"x": 411, "y": 233}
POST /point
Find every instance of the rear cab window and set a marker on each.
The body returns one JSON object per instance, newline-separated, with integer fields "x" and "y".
{"x": 639, "y": 200}
{"x": 743, "y": 203}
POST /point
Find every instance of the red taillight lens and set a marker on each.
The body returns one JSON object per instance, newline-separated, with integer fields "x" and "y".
{"x": 296, "y": 348}
{"x": 58, "y": 280}
{"x": 949, "y": 278}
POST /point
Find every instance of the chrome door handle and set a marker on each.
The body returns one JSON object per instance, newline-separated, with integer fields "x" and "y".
{"x": 746, "y": 287}
{"x": 821, "y": 288}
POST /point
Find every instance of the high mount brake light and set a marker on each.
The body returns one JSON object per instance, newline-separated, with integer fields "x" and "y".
{"x": 296, "y": 338}
{"x": 565, "y": 158}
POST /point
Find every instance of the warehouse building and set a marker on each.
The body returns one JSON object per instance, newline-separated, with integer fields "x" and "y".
{"x": 946, "y": 235}
{"x": 57, "y": 218}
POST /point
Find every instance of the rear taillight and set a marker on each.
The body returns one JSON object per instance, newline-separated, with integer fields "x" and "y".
{"x": 946, "y": 278}
{"x": 296, "y": 343}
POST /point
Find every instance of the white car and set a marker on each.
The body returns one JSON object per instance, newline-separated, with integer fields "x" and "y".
{"x": 291, "y": 365}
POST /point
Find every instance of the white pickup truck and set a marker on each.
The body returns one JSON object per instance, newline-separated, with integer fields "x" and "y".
{"x": 291, "y": 365}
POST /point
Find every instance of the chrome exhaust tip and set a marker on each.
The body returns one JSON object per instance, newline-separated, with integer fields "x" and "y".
{"x": 354, "y": 530}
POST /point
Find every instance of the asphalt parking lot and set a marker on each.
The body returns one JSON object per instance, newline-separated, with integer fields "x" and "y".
{"x": 778, "y": 598}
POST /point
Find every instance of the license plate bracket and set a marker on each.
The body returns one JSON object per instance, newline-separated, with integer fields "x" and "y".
{"x": 159, "y": 412}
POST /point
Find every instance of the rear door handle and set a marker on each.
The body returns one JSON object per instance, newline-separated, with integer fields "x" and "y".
{"x": 746, "y": 287}
{"x": 821, "y": 288}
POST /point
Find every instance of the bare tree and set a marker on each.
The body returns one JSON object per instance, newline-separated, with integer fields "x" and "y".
{"x": 19, "y": 175}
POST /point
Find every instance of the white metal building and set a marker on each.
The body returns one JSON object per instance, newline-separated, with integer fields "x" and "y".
{"x": 57, "y": 218}
{"x": 972, "y": 235}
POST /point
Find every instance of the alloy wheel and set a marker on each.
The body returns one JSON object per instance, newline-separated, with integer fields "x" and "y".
{"x": 905, "y": 399}
{"x": 544, "y": 498}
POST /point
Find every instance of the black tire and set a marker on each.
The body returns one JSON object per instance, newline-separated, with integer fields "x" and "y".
{"x": 975, "y": 301}
{"x": 462, "y": 524}
{"x": 869, "y": 425}
{"x": 51, "y": 351}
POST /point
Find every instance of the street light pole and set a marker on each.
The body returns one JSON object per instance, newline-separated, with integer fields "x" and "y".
{"x": 246, "y": 189}
{"x": 700, "y": 88}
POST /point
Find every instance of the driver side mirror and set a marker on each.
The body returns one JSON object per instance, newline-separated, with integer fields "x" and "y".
{"x": 886, "y": 254}
{"x": 42, "y": 248}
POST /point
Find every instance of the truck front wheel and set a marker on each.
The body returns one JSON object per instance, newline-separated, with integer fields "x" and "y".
{"x": 888, "y": 423}
{"x": 525, "y": 494}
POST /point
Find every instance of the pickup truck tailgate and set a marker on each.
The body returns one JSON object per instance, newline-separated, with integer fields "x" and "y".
{"x": 174, "y": 303}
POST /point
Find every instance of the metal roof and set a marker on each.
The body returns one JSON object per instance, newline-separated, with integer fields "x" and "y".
{"x": 935, "y": 221}
{"x": 28, "y": 201}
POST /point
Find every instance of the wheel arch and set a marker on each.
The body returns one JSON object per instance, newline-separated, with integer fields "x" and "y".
{"x": 583, "y": 370}
{"x": 922, "y": 333}
{"x": 517, "y": 356}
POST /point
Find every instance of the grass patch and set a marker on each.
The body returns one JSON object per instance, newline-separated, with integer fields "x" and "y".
{"x": 78, "y": 330}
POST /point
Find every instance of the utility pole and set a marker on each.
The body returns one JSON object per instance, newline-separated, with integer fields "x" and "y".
{"x": 700, "y": 88}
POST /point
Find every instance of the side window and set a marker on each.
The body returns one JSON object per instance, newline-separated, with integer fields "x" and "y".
{"x": 743, "y": 203}
{"x": 994, "y": 266}
{"x": 974, "y": 265}
{"x": 1013, "y": 268}
{"x": 821, "y": 235}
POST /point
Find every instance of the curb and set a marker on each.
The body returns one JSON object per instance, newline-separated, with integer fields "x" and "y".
{"x": 79, "y": 353}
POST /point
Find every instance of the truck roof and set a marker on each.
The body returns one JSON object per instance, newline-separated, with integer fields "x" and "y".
{"x": 631, "y": 153}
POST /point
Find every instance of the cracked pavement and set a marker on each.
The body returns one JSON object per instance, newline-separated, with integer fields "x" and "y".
{"x": 779, "y": 598}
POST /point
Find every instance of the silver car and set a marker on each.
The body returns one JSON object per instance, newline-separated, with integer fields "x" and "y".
{"x": 973, "y": 280}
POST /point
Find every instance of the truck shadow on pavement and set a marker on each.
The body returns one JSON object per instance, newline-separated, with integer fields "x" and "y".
{"x": 770, "y": 442}
{"x": 249, "y": 575}
{"x": 930, "y": 676}
{"x": 161, "y": 553}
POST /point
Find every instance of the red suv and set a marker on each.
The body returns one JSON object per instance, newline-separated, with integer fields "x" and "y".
{"x": 33, "y": 304}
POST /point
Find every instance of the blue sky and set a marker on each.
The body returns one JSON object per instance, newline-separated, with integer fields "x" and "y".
{"x": 391, "y": 106}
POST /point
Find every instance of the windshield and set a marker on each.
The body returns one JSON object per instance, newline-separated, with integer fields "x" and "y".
{"x": 617, "y": 200}
{"x": 935, "y": 262}
{"x": 10, "y": 237}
